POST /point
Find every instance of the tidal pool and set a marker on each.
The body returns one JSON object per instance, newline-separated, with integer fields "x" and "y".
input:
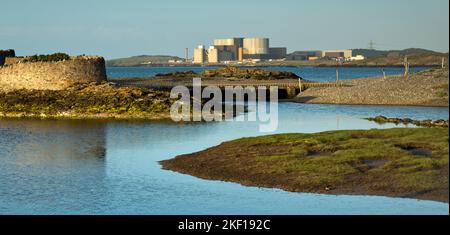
{"x": 111, "y": 167}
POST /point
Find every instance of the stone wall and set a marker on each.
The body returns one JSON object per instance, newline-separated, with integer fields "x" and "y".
{"x": 52, "y": 75}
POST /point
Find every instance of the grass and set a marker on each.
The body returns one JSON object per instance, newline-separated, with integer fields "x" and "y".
{"x": 442, "y": 90}
{"x": 375, "y": 162}
{"x": 441, "y": 94}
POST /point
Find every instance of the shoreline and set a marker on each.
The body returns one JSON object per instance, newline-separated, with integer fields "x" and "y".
{"x": 274, "y": 65}
{"x": 101, "y": 116}
{"x": 145, "y": 99}
{"x": 428, "y": 88}
{"x": 376, "y": 105}
{"x": 86, "y": 101}
{"x": 379, "y": 105}
{"x": 297, "y": 163}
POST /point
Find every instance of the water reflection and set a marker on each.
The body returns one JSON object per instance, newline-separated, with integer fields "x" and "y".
{"x": 111, "y": 167}
{"x": 53, "y": 140}
{"x": 45, "y": 162}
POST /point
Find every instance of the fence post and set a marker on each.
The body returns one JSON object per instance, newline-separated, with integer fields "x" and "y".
{"x": 337, "y": 75}
{"x": 300, "y": 85}
{"x": 406, "y": 64}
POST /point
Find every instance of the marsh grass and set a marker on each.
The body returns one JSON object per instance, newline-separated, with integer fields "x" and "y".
{"x": 376, "y": 162}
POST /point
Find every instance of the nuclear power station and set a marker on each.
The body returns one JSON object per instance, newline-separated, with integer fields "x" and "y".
{"x": 238, "y": 49}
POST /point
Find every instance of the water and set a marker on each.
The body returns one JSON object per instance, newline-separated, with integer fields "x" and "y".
{"x": 111, "y": 167}
{"x": 320, "y": 74}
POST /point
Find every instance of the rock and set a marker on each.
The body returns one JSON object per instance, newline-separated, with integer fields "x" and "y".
{"x": 245, "y": 73}
{"x": 378, "y": 119}
{"x": 424, "y": 123}
{"x": 407, "y": 120}
{"x": 182, "y": 74}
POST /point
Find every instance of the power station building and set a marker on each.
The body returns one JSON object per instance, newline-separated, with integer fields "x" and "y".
{"x": 344, "y": 54}
{"x": 238, "y": 49}
{"x": 199, "y": 54}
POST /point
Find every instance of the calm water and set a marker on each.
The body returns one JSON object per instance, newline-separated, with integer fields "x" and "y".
{"x": 111, "y": 167}
{"x": 310, "y": 73}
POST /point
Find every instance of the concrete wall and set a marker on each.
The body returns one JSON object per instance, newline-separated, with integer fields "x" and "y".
{"x": 52, "y": 75}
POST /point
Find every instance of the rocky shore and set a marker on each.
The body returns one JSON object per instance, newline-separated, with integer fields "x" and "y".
{"x": 87, "y": 100}
{"x": 406, "y": 121}
{"x": 428, "y": 88}
{"x": 246, "y": 73}
{"x": 394, "y": 162}
{"x": 182, "y": 74}
{"x": 231, "y": 72}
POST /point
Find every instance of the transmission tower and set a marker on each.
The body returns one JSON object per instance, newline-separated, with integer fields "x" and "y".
{"x": 371, "y": 45}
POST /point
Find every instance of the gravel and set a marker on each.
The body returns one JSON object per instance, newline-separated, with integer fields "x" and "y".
{"x": 428, "y": 88}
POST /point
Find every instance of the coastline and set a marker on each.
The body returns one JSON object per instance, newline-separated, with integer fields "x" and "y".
{"x": 427, "y": 89}
{"x": 274, "y": 65}
{"x": 342, "y": 166}
{"x": 86, "y": 101}
{"x": 148, "y": 99}
{"x": 80, "y": 116}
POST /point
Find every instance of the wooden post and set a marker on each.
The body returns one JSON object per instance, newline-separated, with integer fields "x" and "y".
{"x": 337, "y": 75}
{"x": 443, "y": 62}
{"x": 300, "y": 85}
{"x": 406, "y": 64}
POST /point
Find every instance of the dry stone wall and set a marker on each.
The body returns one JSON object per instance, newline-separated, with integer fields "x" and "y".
{"x": 52, "y": 75}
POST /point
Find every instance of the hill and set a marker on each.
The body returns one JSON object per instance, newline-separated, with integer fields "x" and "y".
{"x": 416, "y": 57}
{"x": 376, "y": 53}
{"x": 141, "y": 60}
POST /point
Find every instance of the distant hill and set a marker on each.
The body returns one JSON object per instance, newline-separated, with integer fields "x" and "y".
{"x": 410, "y": 51}
{"x": 141, "y": 60}
{"x": 416, "y": 56}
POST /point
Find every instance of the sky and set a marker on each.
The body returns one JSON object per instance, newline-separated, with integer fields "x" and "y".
{"x": 117, "y": 28}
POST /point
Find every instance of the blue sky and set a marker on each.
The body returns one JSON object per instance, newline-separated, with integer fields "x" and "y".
{"x": 117, "y": 28}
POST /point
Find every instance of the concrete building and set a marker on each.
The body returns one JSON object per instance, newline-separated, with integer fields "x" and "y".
{"x": 200, "y": 55}
{"x": 277, "y": 53}
{"x": 336, "y": 54}
{"x": 213, "y": 55}
{"x": 239, "y": 49}
{"x": 256, "y": 46}
{"x": 227, "y": 46}
{"x": 357, "y": 58}
{"x": 238, "y": 42}
{"x": 304, "y": 55}
{"x": 240, "y": 54}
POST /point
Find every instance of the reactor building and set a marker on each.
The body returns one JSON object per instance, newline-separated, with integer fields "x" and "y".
{"x": 238, "y": 49}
